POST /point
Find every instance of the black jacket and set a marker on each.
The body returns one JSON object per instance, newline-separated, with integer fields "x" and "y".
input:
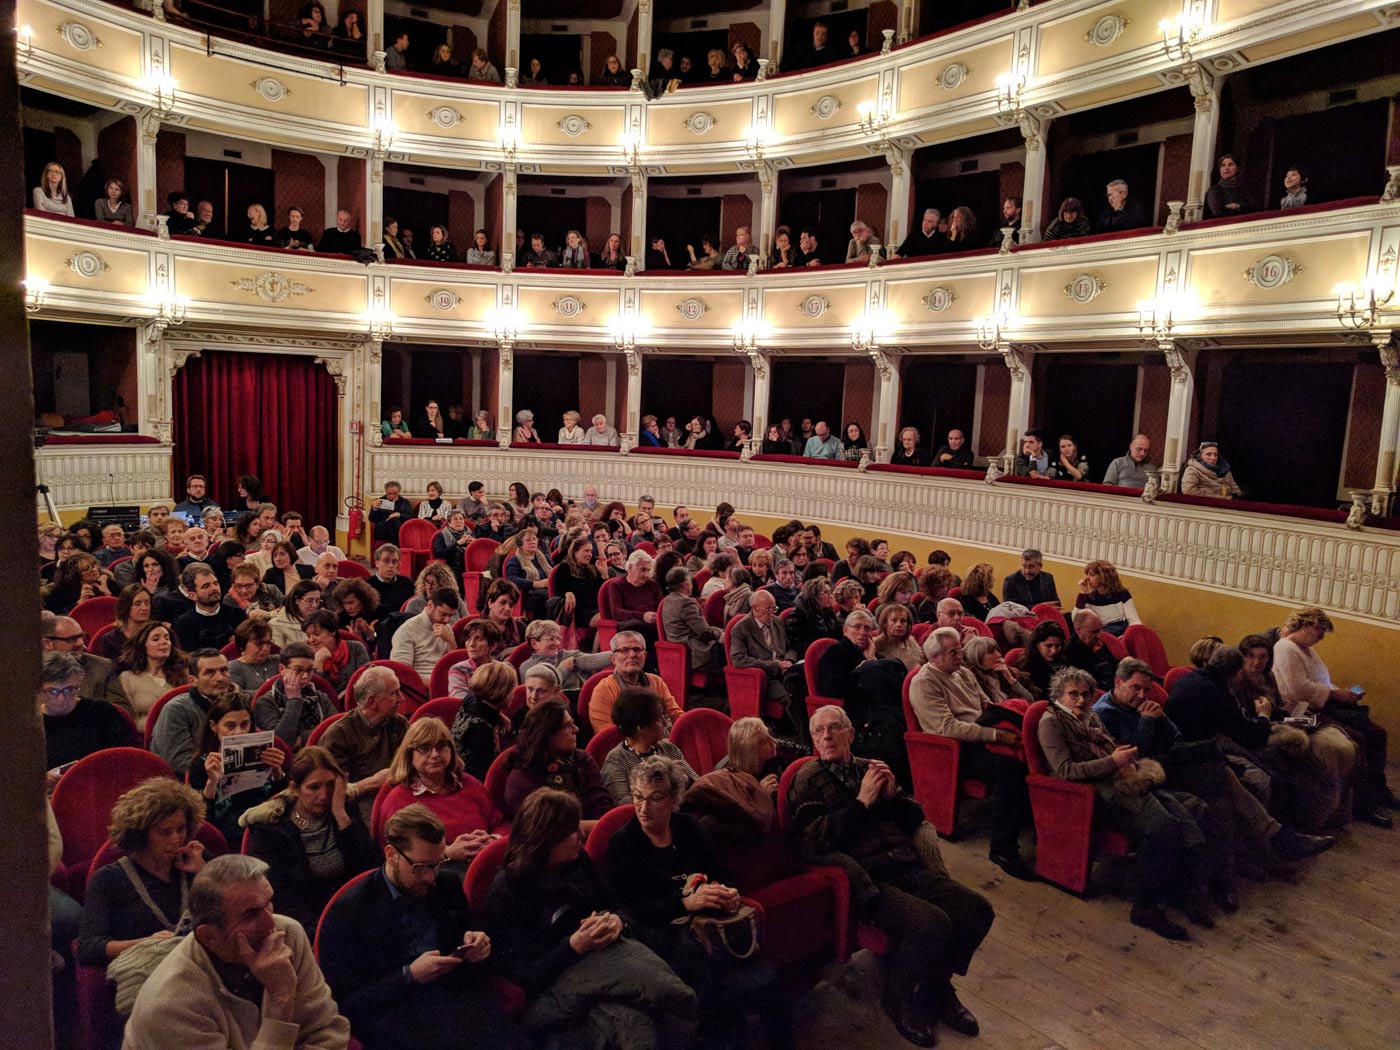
{"x": 296, "y": 892}
{"x": 1201, "y": 706}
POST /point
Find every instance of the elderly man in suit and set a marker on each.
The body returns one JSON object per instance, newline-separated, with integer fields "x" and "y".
{"x": 760, "y": 640}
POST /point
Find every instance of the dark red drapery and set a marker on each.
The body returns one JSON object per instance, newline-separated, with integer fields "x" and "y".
{"x": 270, "y": 415}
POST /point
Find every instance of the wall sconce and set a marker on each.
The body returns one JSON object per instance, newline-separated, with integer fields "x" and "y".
{"x": 170, "y": 311}
{"x": 1010, "y": 88}
{"x": 510, "y": 139}
{"x": 162, "y": 90}
{"x": 867, "y": 333}
{"x": 1155, "y": 320}
{"x": 631, "y": 150}
{"x": 384, "y": 131}
{"x": 991, "y": 331}
{"x": 746, "y": 336}
{"x": 872, "y": 118}
{"x": 757, "y": 142}
{"x": 1359, "y": 308}
{"x": 1180, "y": 36}
{"x": 505, "y": 325}
{"x": 380, "y": 322}
{"x": 24, "y": 42}
{"x": 624, "y": 336}
{"x": 34, "y": 289}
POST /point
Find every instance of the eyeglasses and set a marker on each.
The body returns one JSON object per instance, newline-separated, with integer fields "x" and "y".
{"x": 831, "y": 729}
{"x": 1079, "y": 694}
{"x": 652, "y": 800}
{"x": 428, "y": 749}
{"x": 56, "y": 691}
{"x": 630, "y": 649}
{"x": 67, "y": 637}
{"x": 421, "y": 867}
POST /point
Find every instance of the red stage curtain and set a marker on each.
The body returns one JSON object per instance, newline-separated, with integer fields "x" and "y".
{"x": 270, "y": 415}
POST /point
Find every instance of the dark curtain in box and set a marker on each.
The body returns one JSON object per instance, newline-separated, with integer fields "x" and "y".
{"x": 270, "y": 415}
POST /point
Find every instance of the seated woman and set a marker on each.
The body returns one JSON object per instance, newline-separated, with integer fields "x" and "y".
{"x": 255, "y": 662}
{"x": 525, "y": 431}
{"x": 394, "y": 426}
{"x": 51, "y": 195}
{"x": 432, "y": 424}
{"x": 612, "y": 256}
{"x": 857, "y": 547}
{"x": 849, "y": 594}
{"x": 427, "y": 769}
{"x": 1166, "y": 835}
{"x": 481, "y": 730}
{"x": 529, "y": 568}
{"x": 1044, "y": 657}
{"x": 358, "y": 603}
{"x": 111, "y": 208}
{"x": 1228, "y": 196}
{"x": 871, "y": 688}
{"x": 312, "y": 841}
{"x": 301, "y": 601}
{"x": 640, "y": 717}
{"x": 482, "y": 427}
{"x": 613, "y": 75}
{"x": 572, "y": 666}
{"x": 156, "y": 571}
{"x": 1069, "y": 221}
{"x": 1070, "y": 464}
{"x": 700, "y": 556}
{"x": 481, "y": 253}
{"x": 1000, "y": 682}
{"x": 898, "y": 587}
{"x": 760, "y": 567}
{"x": 145, "y": 893}
{"x": 499, "y": 601}
{"x": 555, "y": 931}
{"x": 813, "y": 615}
{"x": 150, "y": 665}
{"x": 1207, "y": 473}
{"x": 479, "y": 638}
{"x": 962, "y": 231}
{"x": 533, "y": 74}
{"x": 540, "y": 683}
{"x": 259, "y": 230}
{"x": 450, "y": 542}
{"x": 441, "y": 249}
{"x": 547, "y": 755}
{"x": 854, "y": 442}
{"x": 652, "y": 863}
{"x": 894, "y": 642}
{"x": 230, "y": 715}
{"x": 133, "y": 613}
{"x": 293, "y": 706}
{"x": 76, "y": 579}
{"x": 286, "y": 571}
{"x": 709, "y": 259}
{"x": 683, "y": 621}
{"x": 577, "y": 583}
{"x": 978, "y": 598}
{"x": 1102, "y": 591}
{"x": 434, "y": 508}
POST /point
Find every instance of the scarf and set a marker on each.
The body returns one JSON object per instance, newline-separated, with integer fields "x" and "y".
{"x": 336, "y": 662}
{"x": 1220, "y": 469}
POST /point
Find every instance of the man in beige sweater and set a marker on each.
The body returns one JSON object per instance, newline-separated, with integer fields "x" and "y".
{"x": 948, "y": 701}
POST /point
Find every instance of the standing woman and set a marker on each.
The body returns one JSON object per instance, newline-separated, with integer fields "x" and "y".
{"x": 229, "y": 715}
{"x": 51, "y": 195}
{"x": 1070, "y": 465}
{"x": 133, "y": 613}
{"x": 111, "y": 208}
{"x": 150, "y": 665}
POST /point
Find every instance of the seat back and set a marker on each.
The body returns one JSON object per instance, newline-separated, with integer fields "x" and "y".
{"x": 481, "y": 873}
{"x": 411, "y": 685}
{"x": 920, "y": 632}
{"x": 911, "y": 719}
{"x": 1142, "y": 641}
{"x": 1175, "y": 675}
{"x": 728, "y": 633}
{"x": 516, "y": 702}
{"x": 762, "y": 542}
{"x": 1030, "y": 739}
{"x": 1157, "y": 694}
{"x": 714, "y": 609}
{"x": 785, "y": 786}
{"x": 95, "y": 639}
{"x": 85, "y": 794}
{"x": 813, "y": 660}
{"x": 607, "y": 599}
{"x": 320, "y": 730}
{"x": 443, "y": 708}
{"x": 602, "y": 742}
{"x": 1050, "y": 611}
{"x": 585, "y": 696}
{"x": 702, "y": 734}
{"x": 982, "y": 628}
{"x": 437, "y": 681}
{"x": 1113, "y": 644}
{"x": 609, "y": 824}
{"x": 648, "y": 546}
{"x": 331, "y": 904}
{"x": 93, "y": 614}
{"x": 352, "y": 570}
{"x": 417, "y": 534}
{"x": 496, "y": 776}
{"x": 698, "y": 581}
{"x": 154, "y": 713}
{"x": 519, "y": 655}
{"x": 1016, "y": 658}
{"x": 478, "y": 553}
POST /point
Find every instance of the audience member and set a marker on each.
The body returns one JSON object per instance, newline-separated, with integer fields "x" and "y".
{"x": 482, "y": 68}
{"x": 822, "y": 444}
{"x": 1207, "y": 473}
{"x": 1101, "y": 590}
{"x": 628, "y": 660}
{"x": 1228, "y": 196}
{"x": 364, "y": 742}
{"x": 547, "y": 755}
{"x": 51, "y": 195}
{"x": 1069, "y": 222}
{"x": 613, "y": 75}
{"x": 739, "y": 256}
{"x": 341, "y": 238}
{"x": 1122, "y": 212}
{"x": 111, "y": 207}
{"x": 1031, "y": 585}
{"x": 75, "y": 726}
{"x": 962, "y": 231}
{"x": 926, "y": 240}
{"x": 1130, "y": 471}
{"x": 864, "y": 241}
{"x": 643, "y": 718}
{"x": 1295, "y": 186}
{"x": 395, "y": 60}
{"x": 293, "y": 235}
{"x": 818, "y": 53}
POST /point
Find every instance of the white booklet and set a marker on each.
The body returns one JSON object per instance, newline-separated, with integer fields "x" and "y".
{"x": 244, "y": 768}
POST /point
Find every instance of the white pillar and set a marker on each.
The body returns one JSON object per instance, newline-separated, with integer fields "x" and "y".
{"x": 630, "y": 425}
{"x": 508, "y": 199}
{"x": 1018, "y": 408}
{"x": 512, "y": 33}
{"x": 644, "y": 56}
{"x": 901, "y": 190}
{"x": 761, "y": 377}
{"x": 1390, "y": 425}
{"x": 765, "y": 218}
{"x": 374, "y": 24}
{"x": 374, "y": 201}
{"x": 610, "y": 390}
{"x": 1033, "y": 218}
{"x": 777, "y": 16}
{"x": 147, "y": 204}
{"x": 1204, "y": 89}
{"x": 637, "y": 235}
{"x": 505, "y": 382}
{"x": 884, "y": 415}
{"x": 153, "y": 413}
{"x": 1183, "y": 368}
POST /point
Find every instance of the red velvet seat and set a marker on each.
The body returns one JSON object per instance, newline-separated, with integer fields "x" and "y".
{"x": 352, "y": 570}
{"x": 609, "y": 613}
{"x": 412, "y": 688}
{"x": 1050, "y": 611}
{"x": 517, "y": 656}
{"x": 673, "y": 665}
{"x": 1142, "y": 641}
{"x": 93, "y": 614}
{"x": 496, "y": 776}
{"x": 154, "y": 712}
{"x": 1114, "y": 645}
{"x": 416, "y": 544}
{"x": 1173, "y": 676}
{"x": 315, "y": 737}
{"x": 981, "y": 627}
{"x": 585, "y": 697}
{"x": 703, "y": 737}
{"x": 95, "y": 640}
{"x": 810, "y": 664}
{"x": 609, "y": 824}
{"x": 1066, "y": 841}
{"x": 934, "y": 761}
{"x": 602, "y": 742}
{"x": 443, "y": 708}
{"x": 747, "y": 686}
{"x": 437, "y": 681}
{"x": 714, "y": 609}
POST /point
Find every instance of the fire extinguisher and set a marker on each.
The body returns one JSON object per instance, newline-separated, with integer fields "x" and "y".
{"x": 357, "y": 516}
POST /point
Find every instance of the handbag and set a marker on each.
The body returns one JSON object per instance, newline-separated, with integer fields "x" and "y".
{"x": 724, "y": 935}
{"x": 130, "y": 970}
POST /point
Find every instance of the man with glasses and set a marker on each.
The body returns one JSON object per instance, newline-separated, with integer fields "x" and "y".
{"x": 365, "y": 741}
{"x": 629, "y": 653}
{"x": 850, "y": 811}
{"x": 872, "y": 689}
{"x": 74, "y": 726}
{"x": 400, "y": 954}
{"x": 63, "y": 634}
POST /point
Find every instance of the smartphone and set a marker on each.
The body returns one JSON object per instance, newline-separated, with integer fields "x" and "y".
{"x": 1357, "y": 692}
{"x": 460, "y": 952}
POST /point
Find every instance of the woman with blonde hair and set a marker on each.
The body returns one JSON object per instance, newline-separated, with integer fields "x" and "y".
{"x": 1100, "y": 589}
{"x": 978, "y": 598}
{"x": 51, "y": 195}
{"x": 481, "y": 729}
{"x": 571, "y": 433}
{"x": 259, "y": 232}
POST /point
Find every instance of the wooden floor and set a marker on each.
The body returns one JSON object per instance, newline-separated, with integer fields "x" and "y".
{"x": 1308, "y": 966}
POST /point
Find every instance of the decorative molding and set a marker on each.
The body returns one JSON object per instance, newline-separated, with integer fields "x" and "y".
{"x": 825, "y": 107}
{"x": 953, "y": 76}
{"x": 271, "y": 286}
{"x": 179, "y": 357}
{"x": 78, "y": 36}
{"x": 699, "y": 123}
{"x": 87, "y": 264}
{"x": 82, "y": 476}
{"x": 692, "y": 309}
{"x": 443, "y": 299}
{"x": 445, "y": 117}
{"x": 814, "y": 306}
{"x": 270, "y": 88}
{"x": 1272, "y": 271}
{"x": 936, "y": 300}
{"x": 573, "y": 125}
{"x": 1084, "y": 288}
{"x": 1106, "y": 30}
{"x": 569, "y": 306}
{"x": 336, "y": 367}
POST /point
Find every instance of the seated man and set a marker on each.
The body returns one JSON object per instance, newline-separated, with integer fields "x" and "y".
{"x": 948, "y": 701}
{"x": 400, "y": 953}
{"x": 389, "y": 513}
{"x": 1032, "y": 584}
{"x": 926, "y": 240}
{"x": 341, "y": 238}
{"x": 784, "y": 587}
{"x": 863, "y": 241}
{"x": 181, "y": 723}
{"x": 538, "y": 254}
{"x": 956, "y": 454}
{"x": 950, "y": 613}
{"x": 1121, "y": 213}
{"x": 393, "y": 589}
{"x": 75, "y": 726}
{"x": 365, "y": 741}
{"x": 113, "y": 545}
{"x": 1087, "y": 651}
{"x": 318, "y": 544}
{"x": 600, "y": 433}
{"x": 1033, "y": 461}
{"x": 872, "y": 689}
{"x": 1130, "y": 471}
{"x": 473, "y": 504}
{"x": 244, "y": 977}
{"x": 760, "y": 640}
{"x": 422, "y": 640}
{"x": 849, "y": 811}
{"x": 808, "y": 252}
{"x": 63, "y": 634}
{"x": 822, "y": 444}
{"x": 629, "y": 654}
{"x": 683, "y": 620}
{"x": 210, "y": 623}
